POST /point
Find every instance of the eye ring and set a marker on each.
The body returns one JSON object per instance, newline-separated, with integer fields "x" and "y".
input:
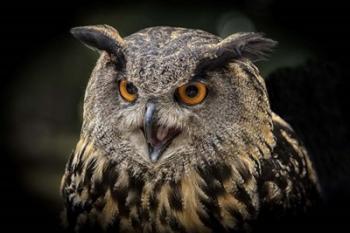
{"x": 192, "y": 93}
{"x": 128, "y": 91}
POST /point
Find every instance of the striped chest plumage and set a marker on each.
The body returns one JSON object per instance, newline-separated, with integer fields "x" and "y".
{"x": 217, "y": 197}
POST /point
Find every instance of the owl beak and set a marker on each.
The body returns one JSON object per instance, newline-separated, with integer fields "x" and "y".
{"x": 157, "y": 137}
{"x": 148, "y": 124}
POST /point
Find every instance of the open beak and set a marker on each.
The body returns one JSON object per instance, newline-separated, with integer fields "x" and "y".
{"x": 158, "y": 137}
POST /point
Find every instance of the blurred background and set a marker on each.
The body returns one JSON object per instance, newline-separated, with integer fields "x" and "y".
{"x": 46, "y": 71}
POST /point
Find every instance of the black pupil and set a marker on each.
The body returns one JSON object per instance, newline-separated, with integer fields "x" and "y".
{"x": 131, "y": 89}
{"x": 191, "y": 91}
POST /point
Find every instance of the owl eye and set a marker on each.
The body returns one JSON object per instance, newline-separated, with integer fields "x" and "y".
{"x": 191, "y": 93}
{"x": 127, "y": 90}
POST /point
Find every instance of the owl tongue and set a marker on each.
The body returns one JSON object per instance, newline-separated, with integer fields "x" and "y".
{"x": 161, "y": 135}
{"x": 159, "y": 138}
{"x": 162, "y": 132}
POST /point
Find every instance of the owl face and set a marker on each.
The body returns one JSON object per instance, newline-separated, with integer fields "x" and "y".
{"x": 172, "y": 97}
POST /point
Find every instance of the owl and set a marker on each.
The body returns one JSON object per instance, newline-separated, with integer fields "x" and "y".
{"x": 178, "y": 136}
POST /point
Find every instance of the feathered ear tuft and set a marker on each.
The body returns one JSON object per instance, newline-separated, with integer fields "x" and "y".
{"x": 253, "y": 46}
{"x": 101, "y": 37}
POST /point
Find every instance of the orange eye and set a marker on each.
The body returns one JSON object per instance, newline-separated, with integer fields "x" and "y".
{"x": 127, "y": 90}
{"x": 192, "y": 93}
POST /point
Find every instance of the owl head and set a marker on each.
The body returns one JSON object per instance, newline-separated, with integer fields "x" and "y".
{"x": 164, "y": 100}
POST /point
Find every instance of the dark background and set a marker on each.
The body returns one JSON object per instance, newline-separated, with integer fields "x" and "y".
{"x": 45, "y": 72}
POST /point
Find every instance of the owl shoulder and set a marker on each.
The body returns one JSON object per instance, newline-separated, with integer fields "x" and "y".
{"x": 84, "y": 187}
{"x": 288, "y": 179}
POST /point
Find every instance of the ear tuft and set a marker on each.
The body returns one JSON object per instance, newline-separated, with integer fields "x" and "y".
{"x": 100, "y": 37}
{"x": 253, "y": 46}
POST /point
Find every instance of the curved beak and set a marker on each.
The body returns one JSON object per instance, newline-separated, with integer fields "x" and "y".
{"x": 148, "y": 125}
{"x": 148, "y": 120}
{"x": 158, "y": 137}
